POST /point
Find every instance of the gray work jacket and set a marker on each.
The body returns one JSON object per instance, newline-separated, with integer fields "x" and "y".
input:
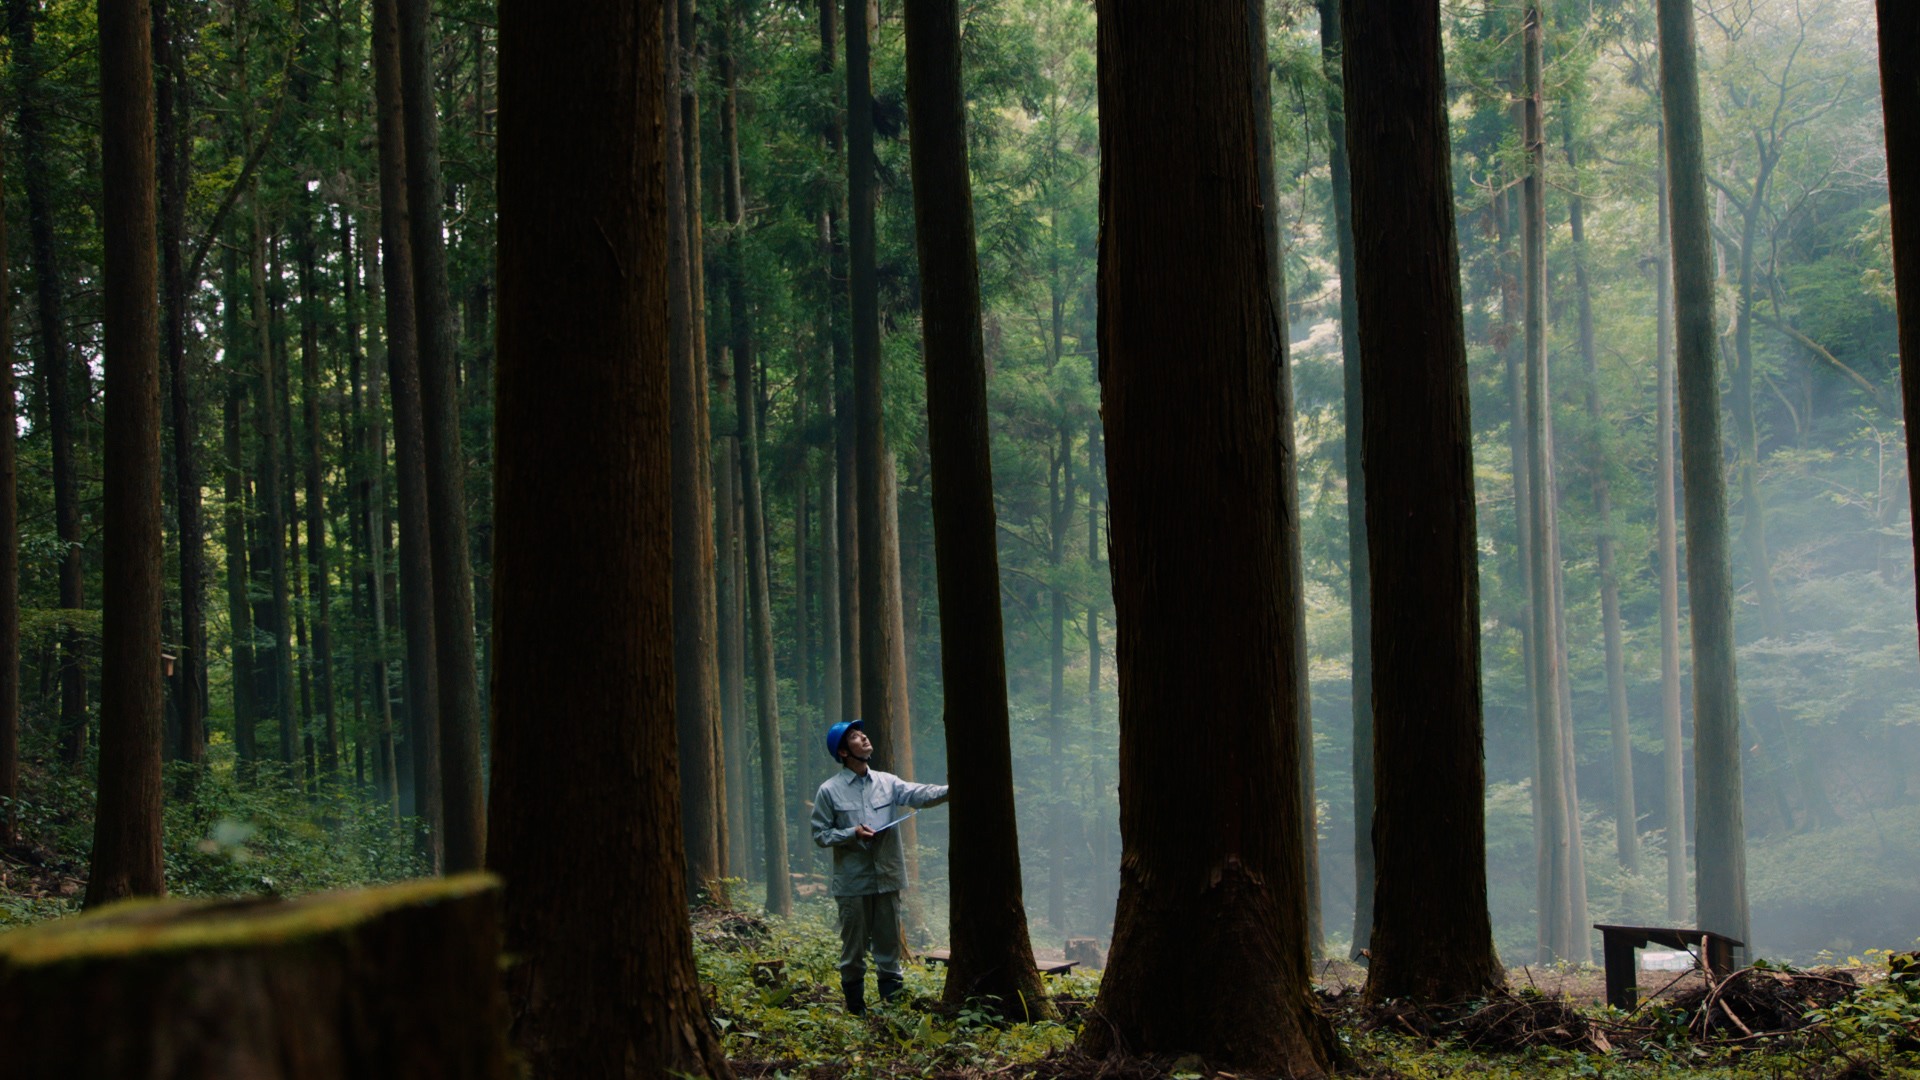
{"x": 847, "y": 800}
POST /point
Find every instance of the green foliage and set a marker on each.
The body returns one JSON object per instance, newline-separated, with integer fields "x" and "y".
{"x": 797, "y": 1018}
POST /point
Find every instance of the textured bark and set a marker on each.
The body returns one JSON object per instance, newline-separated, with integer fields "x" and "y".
{"x": 189, "y": 689}
{"x": 695, "y": 709}
{"x": 409, "y": 440}
{"x": 383, "y": 984}
{"x": 1720, "y": 878}
{"x": 53, "y": 365}
{"x": 1900, "y": 99}
{"x": 992, "y": 956}
{"x": 9, "y": 553}
{"x": 1210, "y": 939}
{"x": 126, "y": 858}
{"x": 458, "y": 687}
{"x": 1431, "y": 936}
{"x": 586, "y": 815}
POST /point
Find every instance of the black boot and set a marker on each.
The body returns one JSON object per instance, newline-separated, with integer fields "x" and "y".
{"x": 856, "y": 991}
{"x": 891, "y": 985}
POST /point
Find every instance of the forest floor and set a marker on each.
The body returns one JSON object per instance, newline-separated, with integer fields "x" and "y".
{"x": 776, "y": 1001}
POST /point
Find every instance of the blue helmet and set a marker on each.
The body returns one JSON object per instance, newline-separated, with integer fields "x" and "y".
{"x": 838, "y": 732}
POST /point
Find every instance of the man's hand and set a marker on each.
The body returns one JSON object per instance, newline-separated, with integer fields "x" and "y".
{"x": 861, "y": 832}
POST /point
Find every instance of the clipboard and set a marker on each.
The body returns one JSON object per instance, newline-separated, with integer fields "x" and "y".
{"x": 892, "y": 823}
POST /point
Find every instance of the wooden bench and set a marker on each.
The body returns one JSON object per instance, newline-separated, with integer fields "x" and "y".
{"x": 1047, "y": 967}
{"x": 1618, "y": 945}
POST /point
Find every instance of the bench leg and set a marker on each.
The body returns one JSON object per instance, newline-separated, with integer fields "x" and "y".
{"x": 1623, "y": 981}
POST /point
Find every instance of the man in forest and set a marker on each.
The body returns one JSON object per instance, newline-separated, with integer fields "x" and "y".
{"x": 853, "y": 813}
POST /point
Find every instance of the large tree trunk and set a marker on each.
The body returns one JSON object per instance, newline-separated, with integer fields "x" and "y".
{"x": 992, "y": 956}
{"x": 1673, "y": 757}
{"x": 1720, "y": 880}
{"x": 385, "y": 984}
{"x": 1210, "y": 940}
{"x": 9, "y": 553}
{"x": 126, "y": 836}
{"x": 586, "y": 815}
{"x": 53, "y": 366}
{"x": 1359, "y": 589}
{"x": 693, "y": 632}
{"x": 409, "y": 439}
{"x": 1900, "y": 98}
{"x": 1431, "y": 936}
{"x": 182, "y": 416}
{"x": 458, "y": 680}
{"x": 773, "y": 803}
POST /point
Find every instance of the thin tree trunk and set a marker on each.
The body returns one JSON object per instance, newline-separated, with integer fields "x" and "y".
{"x": 1674, "y": 756}
{"x": 694, "y": 706}
{"x": 1720, "y": 880}
{"x": 1060, "y": 510}
{"x": 773, "y": 803}
{"x": 279, "y": 686}
{"x": 9, "y": 553}
{"x": 127, "y": 859}
{"x": 992, "y": 955}
{"x": 586, "y": 825}
{"x": 1194, "y": 451}
{"x": 458, "y": 686}
{"x": 1431, "y": 939}
{"x": 1550, "y": 775}
{"x": 875, "y": 621}
{"x": 409, "y": 439}
{"x": 732, "y": 638}
{"x": 839, "y": 677}
{"x": 898, "y": 702}
{"x": 182, "y": 417}
{"x": 318, "y": 578}
{"x": 53, "y": 366}
{"x": 1625, "y": 815}
{"x": 1359, "y": 603}
{"x": 689, "y": 53}
{"x": 244, "y": 676}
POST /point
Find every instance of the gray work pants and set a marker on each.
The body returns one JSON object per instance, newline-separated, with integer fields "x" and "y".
{"x": 873, "y": 920}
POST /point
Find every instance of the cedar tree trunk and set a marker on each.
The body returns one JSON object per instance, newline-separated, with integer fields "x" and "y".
{"x": 586, "y": 814}
{"x": 126, "y": 836}
{"x": 1210, "y": 937}
{"x": 1431, "y": 937}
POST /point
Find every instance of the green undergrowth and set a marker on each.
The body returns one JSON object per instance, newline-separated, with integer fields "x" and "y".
{"x": 775, "y": 1000}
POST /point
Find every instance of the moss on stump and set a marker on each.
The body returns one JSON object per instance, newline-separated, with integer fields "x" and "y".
{"x": 399, "y": 981}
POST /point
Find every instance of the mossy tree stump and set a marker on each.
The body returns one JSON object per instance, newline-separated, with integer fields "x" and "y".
{"x": 399, "y": 981}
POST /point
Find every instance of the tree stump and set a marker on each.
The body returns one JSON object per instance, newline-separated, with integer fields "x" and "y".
{"x": 398, "y": 981}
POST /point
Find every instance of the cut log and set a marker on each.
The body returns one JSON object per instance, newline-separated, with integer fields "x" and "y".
{"x": 398, "y": 981}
